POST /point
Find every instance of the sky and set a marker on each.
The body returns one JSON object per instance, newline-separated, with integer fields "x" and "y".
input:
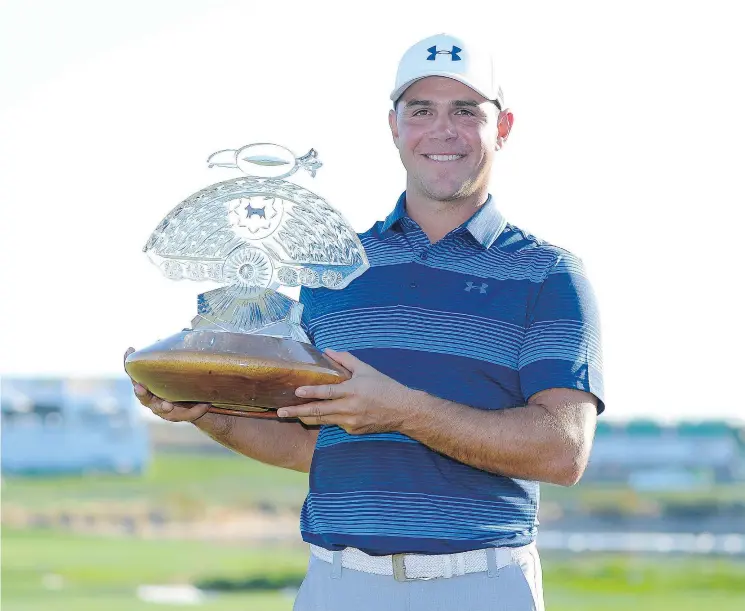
{"x": 627, "y": 149}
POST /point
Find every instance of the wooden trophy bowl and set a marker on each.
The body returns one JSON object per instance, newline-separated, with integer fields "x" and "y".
{"x": 239, "y": 374}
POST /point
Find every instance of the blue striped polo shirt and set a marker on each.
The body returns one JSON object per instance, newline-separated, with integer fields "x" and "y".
{"x": 486, "y": 317}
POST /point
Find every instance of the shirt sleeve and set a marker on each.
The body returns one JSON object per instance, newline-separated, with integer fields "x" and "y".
{"x": 562, "y": 346}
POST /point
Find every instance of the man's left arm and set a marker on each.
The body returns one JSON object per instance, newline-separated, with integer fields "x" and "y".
{"x": 549, "y": 439}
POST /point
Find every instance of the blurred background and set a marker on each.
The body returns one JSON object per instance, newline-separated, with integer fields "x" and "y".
{"x": 627, "y": 150}
{"x": 102, "y": 508}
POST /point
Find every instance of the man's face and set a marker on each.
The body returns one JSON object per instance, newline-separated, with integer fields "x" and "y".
{"x": 446, "y": 135}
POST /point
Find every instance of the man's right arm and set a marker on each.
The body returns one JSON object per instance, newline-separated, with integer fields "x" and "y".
{"x": 283, "y": 444}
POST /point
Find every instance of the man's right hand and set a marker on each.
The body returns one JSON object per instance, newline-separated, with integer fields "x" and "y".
{"x": 173, "y": 412}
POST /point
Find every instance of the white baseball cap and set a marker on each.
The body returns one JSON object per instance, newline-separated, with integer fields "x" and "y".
{"x": 452, "y": 57}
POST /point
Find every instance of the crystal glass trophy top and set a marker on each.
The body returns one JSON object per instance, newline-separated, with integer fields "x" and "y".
{"x": 246, "y": 351}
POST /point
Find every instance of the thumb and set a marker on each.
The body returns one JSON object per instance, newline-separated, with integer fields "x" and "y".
{"x": 345, "y": 359}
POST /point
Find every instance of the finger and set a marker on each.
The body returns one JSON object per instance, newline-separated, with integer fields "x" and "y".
{"x": 143, "y": 395}
{"x": 345, "y": 359}
{"x": 325, "y": 419}
{"x": 185, "y": 412}
{"x": 155, "y": 404}
{"x": 317, "y": 412}
{"x": 179, "y": 412}
{"x": 161, "y": 408}
{"x": 323, "y": 391}
{"x": 309, "y": 421}
{"x": 129, "y": 351}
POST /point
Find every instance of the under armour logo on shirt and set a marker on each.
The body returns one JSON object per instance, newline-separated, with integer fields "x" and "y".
{"x": 433, "y": 53}
{"x": 481, "y": 289}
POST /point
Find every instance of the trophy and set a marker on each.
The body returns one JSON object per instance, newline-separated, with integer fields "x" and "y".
{"x": 246, "y": 351}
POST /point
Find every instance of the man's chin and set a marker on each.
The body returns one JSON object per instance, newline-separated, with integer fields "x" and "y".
{"x": 449, "y": 193}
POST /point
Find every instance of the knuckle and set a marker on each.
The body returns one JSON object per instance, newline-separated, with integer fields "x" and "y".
{"x": 354, "y": 428}
{"x": 158, "y": 406}
{"x": 315, "y": 412}
{"x": 198, "y": 411}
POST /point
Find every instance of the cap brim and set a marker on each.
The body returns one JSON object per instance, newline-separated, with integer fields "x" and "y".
{"x": 398, "y": 92}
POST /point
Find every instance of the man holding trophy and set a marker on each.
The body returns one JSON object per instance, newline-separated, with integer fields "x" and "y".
{"x": 461, "y": 357}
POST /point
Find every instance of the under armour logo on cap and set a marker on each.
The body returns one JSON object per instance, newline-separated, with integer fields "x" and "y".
{"x": 433, "y": 53}
{"x": 467, "y": 62}
{"x": 471, "y": 285}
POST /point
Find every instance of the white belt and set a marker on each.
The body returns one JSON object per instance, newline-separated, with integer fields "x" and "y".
{"x": 406, "y": 567}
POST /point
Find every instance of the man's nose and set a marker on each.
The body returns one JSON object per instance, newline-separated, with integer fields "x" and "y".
{"x": 444, "y": 127}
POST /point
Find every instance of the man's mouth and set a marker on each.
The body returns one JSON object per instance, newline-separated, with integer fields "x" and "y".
{"x": 444, "y": 157}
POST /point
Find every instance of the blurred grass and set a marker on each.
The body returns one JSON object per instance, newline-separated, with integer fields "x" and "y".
{"x": 601, "y": 494}
{"x": 101, "y": 573}
{"x": 177, "y": 480}
{"x": 171, "y": 482}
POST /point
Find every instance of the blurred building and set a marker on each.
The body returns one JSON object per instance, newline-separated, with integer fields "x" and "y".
{"x": 647, "y": 454}
{"x": 71, "y": 425}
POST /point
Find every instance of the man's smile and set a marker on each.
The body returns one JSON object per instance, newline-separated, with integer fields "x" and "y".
{"x": 450, "y": 157}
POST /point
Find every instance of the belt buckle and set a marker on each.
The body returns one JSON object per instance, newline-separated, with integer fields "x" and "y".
{"x": 399, "y": 568}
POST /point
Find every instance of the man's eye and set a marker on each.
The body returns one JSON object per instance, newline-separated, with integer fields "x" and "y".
{"x": 420, "y": 113}
{"x": 464, "y": 112}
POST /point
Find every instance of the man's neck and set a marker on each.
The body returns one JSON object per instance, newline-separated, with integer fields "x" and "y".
{"x": 438, "y": 218}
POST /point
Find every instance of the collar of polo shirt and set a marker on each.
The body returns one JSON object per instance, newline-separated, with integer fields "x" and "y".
{"x": 484, "y": 226}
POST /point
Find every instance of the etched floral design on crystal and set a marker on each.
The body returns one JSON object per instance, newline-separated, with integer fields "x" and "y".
{"x": 173, "y": 270}
{"x": 331, "y": 278}
{"x": 194, "y": 271}
{"x": 288, "y": 276}
{"x": 212, "y": 271}
{"x": 309, "y": 230}
{"x": 309, "y": 277}
{"x": 248, "y": 267}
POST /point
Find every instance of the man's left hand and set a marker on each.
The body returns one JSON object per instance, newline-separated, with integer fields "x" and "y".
{"x": 369, "y": 402}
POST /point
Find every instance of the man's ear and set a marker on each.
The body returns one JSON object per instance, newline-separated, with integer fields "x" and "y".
{"x": 394, "y": 125}
{"x": 504, "y": 123}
